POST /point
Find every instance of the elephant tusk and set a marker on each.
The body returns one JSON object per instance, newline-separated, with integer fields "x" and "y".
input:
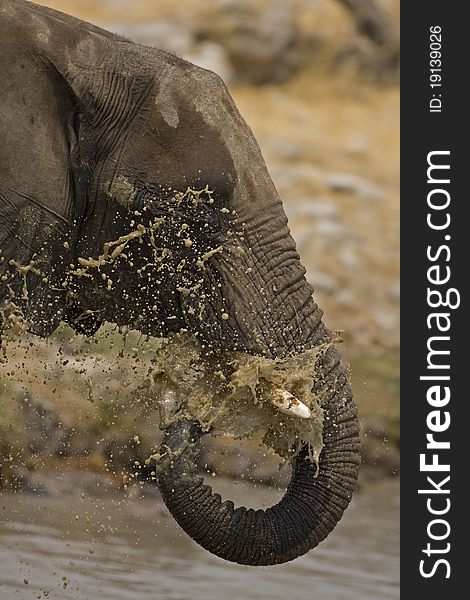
{"x": 289, "y": 404}
{"x": 168, "y": 405}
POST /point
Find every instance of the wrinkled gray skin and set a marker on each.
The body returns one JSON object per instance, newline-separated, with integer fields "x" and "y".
{"x": 81, "y": 112}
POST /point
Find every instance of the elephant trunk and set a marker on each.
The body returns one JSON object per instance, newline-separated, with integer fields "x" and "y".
{"x": 311, "y": 506}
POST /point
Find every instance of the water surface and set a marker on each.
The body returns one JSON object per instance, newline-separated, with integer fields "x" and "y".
{"x": 115, "y": 548}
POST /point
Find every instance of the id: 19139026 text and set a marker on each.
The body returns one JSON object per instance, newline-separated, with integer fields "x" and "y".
{"x": 435, "y": 68}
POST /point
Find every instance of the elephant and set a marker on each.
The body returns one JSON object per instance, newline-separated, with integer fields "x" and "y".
{"x": 99, "y": 136}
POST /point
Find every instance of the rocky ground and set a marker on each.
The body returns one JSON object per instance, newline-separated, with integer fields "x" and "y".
{"x": 324, "y": 105}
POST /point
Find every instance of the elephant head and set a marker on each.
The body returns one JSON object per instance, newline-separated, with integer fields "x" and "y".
{"x": 142, "y": 127}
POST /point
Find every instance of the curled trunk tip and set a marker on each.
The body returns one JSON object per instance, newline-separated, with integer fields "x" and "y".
{"x": 312, "y": 505}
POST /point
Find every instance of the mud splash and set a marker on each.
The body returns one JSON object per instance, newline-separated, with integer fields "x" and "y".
{"x": 179, "y": 221}
{"x": 229, "y": 394}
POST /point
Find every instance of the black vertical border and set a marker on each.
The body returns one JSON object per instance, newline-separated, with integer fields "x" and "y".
{"x": 422, "y": 132}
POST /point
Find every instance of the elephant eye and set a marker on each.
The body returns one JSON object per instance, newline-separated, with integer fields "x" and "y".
{"x": 144, "y": 196}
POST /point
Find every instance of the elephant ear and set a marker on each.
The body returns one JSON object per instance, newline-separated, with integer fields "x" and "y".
{"x": 78, "y": 53}
{"x": 40, "y": 141}
{"x": 58, "y": 90}
{"x": 106, "y": 80}
{"x": 69, "y": 45}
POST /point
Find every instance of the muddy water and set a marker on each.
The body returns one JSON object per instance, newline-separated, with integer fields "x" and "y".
{"x": 113, "y": 548}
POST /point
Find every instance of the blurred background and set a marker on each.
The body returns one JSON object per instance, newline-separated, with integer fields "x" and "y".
{"x": 317, "y": 81}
